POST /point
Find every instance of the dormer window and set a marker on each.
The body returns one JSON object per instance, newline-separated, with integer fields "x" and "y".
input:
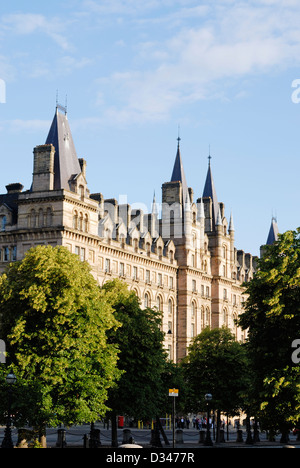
{"x": 3, "y": 223}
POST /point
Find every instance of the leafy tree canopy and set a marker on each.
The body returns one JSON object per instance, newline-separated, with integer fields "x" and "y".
{"x": 140, "y": 340}
{"x": 272, "y": 317}
{"x": 54, "y": 320}
{"x": 216, "y": 364}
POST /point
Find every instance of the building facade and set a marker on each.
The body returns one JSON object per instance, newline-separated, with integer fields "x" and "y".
{"x": 183, "y": 261}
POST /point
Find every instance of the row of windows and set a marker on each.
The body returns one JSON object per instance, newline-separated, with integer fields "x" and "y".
{"x": 124, "y": 270}
{"x": 136, "y": 246}
{"x": 234, "y": 298}
{"x": 8, "y": 254}
{"x": 80, "y": 221}
{"x": 40, "y": 218}
{"x": 203, "y": 289}
{"x": 158, "y": 303}
{"x": 204, "y": 318}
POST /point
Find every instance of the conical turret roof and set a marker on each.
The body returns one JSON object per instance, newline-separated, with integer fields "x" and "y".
{"x": 179, "y": 175}
{"x": 210, "y": 191}
{"x": 66, "y": 164}
{"x": 273, "y": 232}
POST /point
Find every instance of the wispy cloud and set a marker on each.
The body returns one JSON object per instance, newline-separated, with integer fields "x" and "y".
{"x": 233, "y": 40}
{"x": 26, "y": 126}
{"x": 29, "y": 23}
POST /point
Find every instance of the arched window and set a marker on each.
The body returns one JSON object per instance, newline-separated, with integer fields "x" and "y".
{"x": 122, "y": 239}
{"x": 148, "y": 248}
{"x": 81, "y": 191}
{"x": 159, "y": 252}
{"x": 202, "y": 317}
{"x": 194, "y": 240}
{"x": 80, "y": 221}
{"x": 33, "y": 219}
{"x": 146, "y": 300}
{"x": 225, "y": 317}
{"x": 194, "y": 309}
{"x": 86, "y": 223}
{"x": 207, "y": 317}
{"x": 49, "y": 217}
{"x": 159, "y": 303}
{"x": 75, "y": 220}
{"x": 41, "y": 218}
{"x": 170, "y": 306}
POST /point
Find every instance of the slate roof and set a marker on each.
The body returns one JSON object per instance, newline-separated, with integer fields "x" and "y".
{"x": 210, "y": 191}
{"x": 66, "y": 164}
{"x": 179, "y": 175}
{"x": 273, "y": 232}
{"x": 11, "y": 201}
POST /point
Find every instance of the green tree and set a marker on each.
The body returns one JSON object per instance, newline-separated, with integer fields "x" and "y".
{"x": 272, "y": 318}
{"x": 55, "y": 319}
{"x": 140, "y": 390}
{"x": 217, "y": 364}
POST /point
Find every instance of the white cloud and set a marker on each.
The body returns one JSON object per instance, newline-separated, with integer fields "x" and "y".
{"x": 234, "y": 40}
{"x": 29, "y": 23}
{"x": 20, "y": 125}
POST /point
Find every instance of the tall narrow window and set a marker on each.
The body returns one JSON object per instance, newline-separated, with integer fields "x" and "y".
{"x": 146, "y": 301}
{"x": 148, "y": 276}
{"x": 75, "y": 220}
{"x": 121, "y": 269}
{"x": 3, "y": 223}
{"x": 49, "y": 217}
{"x": 86, "y": 223}
{"x": 107, "y": 265}
{"x": 14, "y": 253}
{"x": 80, "y": 221}
{"x": 41, "y": 218}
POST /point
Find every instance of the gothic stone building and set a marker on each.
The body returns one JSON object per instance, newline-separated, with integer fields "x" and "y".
{"x": 183, "y": 262}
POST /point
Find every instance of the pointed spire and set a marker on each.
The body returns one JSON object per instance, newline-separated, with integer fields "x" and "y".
{"x": 187, "y": 203}
{"x": 66, "y": 164}
{"x": 178, "y": 173}
{"x": 154, "y": 206}
{"x": 201, "y": 214}
{"x": 210, "y": 191}
{"x": 231, "y": 225}
{"x": 219, "y": 218}
{"x": 273, "y": 232}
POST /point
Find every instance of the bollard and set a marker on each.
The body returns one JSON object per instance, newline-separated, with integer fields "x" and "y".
{"x": 179, "y": 436}
{"x": 127, "y": 437}
{"x": 201, "y": 436}
{"x": 239, "y": 435}
{"x": 222, "y": 437}
{"x": 61, "y": 438}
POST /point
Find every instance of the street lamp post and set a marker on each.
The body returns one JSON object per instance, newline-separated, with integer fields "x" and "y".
{"x": 208, "y": 441}
{"x": 7, "y": 441}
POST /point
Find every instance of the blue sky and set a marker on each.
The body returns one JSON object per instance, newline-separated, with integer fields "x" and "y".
{"x": 135, "y": 70}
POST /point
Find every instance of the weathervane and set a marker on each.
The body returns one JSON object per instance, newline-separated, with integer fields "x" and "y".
{"x": 209, "y": 156}
{"x": 59, "y": 106}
